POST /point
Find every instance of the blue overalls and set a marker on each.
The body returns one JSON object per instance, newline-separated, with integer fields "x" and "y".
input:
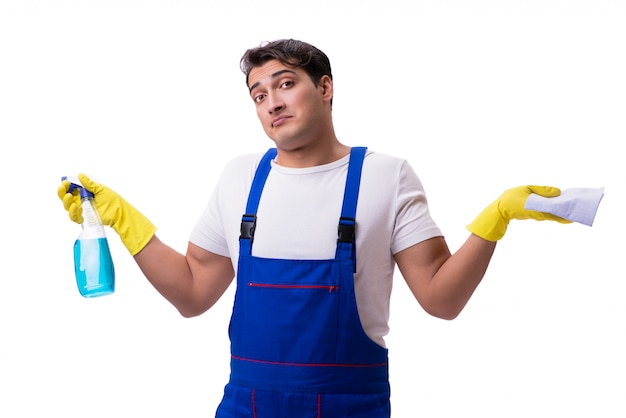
{"x": 298, "y": 349}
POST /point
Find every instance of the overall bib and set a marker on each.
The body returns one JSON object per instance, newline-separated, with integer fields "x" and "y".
{"x": 298, "y": 349}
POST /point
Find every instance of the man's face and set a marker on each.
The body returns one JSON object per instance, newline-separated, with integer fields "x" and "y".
{"x": 292, "y": 109}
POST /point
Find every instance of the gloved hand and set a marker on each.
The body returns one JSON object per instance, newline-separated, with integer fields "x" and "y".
{"x": 134, "y": 229}
{"x": 492, "y": 222}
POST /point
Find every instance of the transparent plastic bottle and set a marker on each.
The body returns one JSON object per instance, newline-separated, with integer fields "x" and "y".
{"x": 95, "y": 274}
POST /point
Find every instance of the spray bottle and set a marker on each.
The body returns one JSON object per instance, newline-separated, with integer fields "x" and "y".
{"x": 93, "y": 265}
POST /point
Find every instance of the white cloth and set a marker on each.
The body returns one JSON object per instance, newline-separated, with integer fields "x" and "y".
{"x": 577, "y": 205}
{"x": 298, "y": 216}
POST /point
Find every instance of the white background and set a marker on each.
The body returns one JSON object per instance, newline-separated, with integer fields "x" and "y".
{"x": 479, "y": 96}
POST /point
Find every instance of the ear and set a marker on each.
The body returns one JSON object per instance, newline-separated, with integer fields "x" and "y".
{"x": 326, "y": 87}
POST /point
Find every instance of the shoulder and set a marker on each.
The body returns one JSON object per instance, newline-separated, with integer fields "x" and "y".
{"x": 244, "y": 160}
{"x": 242, "y": 166}
{"x": 379, "y": 160}
{"x": 375, "y": 157}
{"x": 237, "y": 174}
{"x": 385, "y": 166}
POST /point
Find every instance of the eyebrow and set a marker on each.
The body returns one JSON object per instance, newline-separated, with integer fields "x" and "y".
{"x": 274, "y": 75}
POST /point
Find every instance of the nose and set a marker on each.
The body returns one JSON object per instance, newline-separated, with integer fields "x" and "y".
{"x": 274, "y": 103}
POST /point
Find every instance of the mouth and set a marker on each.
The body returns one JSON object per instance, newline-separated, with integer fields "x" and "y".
{"x": 279, "y": 121}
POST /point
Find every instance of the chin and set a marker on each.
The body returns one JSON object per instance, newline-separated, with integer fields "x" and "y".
{"x": 287, "y": 144}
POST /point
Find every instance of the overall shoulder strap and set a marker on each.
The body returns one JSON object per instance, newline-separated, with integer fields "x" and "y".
{"x": 346, "y": 240}
{"x": 248, "y": 221}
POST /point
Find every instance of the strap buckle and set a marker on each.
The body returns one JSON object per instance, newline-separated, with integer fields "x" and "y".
{"x": 248, "y": 226}
{"x": 345, "y": 229}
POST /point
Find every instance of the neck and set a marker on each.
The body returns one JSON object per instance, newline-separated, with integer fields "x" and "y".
{"x": 311, "y": 155}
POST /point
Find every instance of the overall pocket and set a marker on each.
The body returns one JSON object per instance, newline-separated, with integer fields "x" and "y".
{"x": 288, "y": 313}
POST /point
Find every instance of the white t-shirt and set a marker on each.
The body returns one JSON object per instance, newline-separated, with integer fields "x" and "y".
{"x": 298, "y": 216}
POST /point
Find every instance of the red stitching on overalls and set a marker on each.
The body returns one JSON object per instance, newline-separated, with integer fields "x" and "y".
{"x": 253, "y": 405}
{"x": 319, "y": 405}
{"x": 308, "y": 364}
{"x": 330, "y": 288}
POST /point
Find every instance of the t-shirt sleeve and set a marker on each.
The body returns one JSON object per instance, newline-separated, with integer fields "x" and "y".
{"x": 217, "y": 229}
{"x": 414, "y": 223}
{"x": 208, "y": 232}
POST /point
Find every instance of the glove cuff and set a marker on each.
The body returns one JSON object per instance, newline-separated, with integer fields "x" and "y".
{"x": 489, "y": 224}
{"x": 134, "y": 229}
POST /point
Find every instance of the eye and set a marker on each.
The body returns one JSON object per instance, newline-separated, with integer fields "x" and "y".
{"x": 258, "y": 98}
{"x": 286, "y": 84}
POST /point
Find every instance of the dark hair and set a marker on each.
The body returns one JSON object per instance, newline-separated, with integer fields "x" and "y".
{"x": 290, "y": 52}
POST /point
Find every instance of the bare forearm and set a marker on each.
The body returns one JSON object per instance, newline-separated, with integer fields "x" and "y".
{"x": 192, "y": 282}
{"x": 457, "y": 278}
{"x": 167, "y": 270}
{"x": 443, "y": 282}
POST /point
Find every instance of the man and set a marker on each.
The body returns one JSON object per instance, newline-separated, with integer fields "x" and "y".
{"x": 312, "y": 230}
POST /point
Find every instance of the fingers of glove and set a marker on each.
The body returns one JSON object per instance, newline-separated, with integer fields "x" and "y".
{"x": 69, "y": 199}
{"x": 88, "y": 183}
{"x": 550, "y": 217}
{"x": 512, "y": 201}
{"x": 545, "y": 191}
{"x": 63, "y": 189}
{"x": 76, "y": 213}
{"x": 538, "y": 216}
{"x": 108, "y": 203}
{"x": 71, "y": 202}
{"x": 73, "y": 207}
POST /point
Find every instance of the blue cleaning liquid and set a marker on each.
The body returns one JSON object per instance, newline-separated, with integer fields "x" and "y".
{"x": 95, "y": 275}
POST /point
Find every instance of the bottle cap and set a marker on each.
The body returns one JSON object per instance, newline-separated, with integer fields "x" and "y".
{"x": 74, "y": 182}
{"x": 85, "y": 193}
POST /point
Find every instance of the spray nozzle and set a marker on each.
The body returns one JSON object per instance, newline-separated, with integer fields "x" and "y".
{"x": 76, "y": 184}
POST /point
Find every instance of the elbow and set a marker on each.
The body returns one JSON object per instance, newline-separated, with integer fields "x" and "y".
{"x": 193, "y": 306}
{"x": 187, "y": 314}
{"x": 448, "y": 316}
{"x": 190, "y": 311}
{"x": 444, "y": 312}
{"x": 444, "y": 306}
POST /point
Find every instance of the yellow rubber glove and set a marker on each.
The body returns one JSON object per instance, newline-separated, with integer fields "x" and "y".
{"x": 134, "y": 229}
{"x": 492, "y": 222}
